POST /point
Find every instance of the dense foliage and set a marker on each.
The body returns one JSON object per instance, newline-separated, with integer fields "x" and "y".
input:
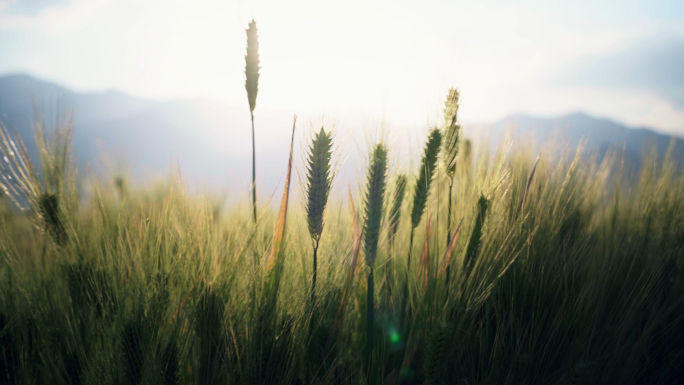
{"x": 581, "y": 283}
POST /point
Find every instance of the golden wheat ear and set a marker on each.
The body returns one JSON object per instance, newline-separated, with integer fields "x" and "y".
{"x": 451, "y": 132}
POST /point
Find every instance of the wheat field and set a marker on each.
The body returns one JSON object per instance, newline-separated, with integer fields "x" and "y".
{"x": 473, "y": 268}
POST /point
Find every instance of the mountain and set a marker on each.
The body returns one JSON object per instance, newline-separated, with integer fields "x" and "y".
{"x": 598, "y": 136}
{"x": 211, "y": 142}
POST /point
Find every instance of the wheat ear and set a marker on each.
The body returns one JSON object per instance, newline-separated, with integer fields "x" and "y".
{"x": 252, "y": 86}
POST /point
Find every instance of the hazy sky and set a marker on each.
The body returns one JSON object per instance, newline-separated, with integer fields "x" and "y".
{"x": 621, "y": 59}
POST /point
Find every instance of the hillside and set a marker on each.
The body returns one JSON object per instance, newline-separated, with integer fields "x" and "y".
{"x": 211, "y": 141}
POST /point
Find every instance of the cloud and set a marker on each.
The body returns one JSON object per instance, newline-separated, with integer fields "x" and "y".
{"x": 654, "y": 65}
{"x": 53, "y": 17}
{"x": 30, "y": 7}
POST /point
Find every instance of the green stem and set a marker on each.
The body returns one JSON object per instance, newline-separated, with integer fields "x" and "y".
{"x": 253, "y": 171}
{"x": 408, "y": 262}
{"x": 448, "y": 240}
{"x": 370, "y": 322}
{"x": 448, "y": 234}
{"x": 313, "y": 281}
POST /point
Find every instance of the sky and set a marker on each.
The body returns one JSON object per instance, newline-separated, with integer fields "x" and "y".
{"x": 393, "y": 60}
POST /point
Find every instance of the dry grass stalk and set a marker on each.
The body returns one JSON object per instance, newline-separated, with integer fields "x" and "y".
{"x": 275, "y": 262}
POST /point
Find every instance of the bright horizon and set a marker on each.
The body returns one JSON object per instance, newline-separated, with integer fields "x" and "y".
{"x": 620, "y": 60}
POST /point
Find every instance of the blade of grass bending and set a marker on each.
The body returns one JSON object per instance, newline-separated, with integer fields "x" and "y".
{"x": 424, "y": 268}
{"x": 357, "y": 233}
{"x": 527, "y": 186}
{"x": 276, "y": 258}
{"x": 449, "y": 251}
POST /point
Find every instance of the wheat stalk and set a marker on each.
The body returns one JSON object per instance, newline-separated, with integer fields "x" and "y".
{"x": 252, "y": 86}
{"x": 319, "y": 180}
{"x": 375, "y": 193}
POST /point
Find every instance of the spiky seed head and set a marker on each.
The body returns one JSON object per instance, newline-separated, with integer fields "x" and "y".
{"x": 319, "y": 180}
{"x": 427, "y": 169}
{"x": 252, "y": 65}
{"x": 397, "y": 201}
{"x": 476, "y": 236}
{"x": 50, "y": 212}
{"x": 451, "y": 132}
{"x": 375, "y": 193}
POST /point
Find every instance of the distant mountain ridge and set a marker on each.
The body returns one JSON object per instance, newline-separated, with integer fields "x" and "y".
{"x": 597, "y": 134}
{"x": 212, "y": 142}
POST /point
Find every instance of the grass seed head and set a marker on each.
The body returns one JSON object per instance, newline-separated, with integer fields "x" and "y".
{"x": 252, "y": 65}
{"x": 319, "y": 180}
{"x": 451, "y": 132}
{"x": 375, "y": 193}
{"x": 476, "y": 236}
{"x": 427, "y": 169}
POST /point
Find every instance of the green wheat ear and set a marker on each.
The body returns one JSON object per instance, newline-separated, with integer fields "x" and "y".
{"x": 319, "y": 180}
{"x": 476, "y": 237}
{"x": 374, "y": 201}
{"x": 252, "y": 65}
{"x": 451, "y": 132}
{"x": 397, "y": 201}
{"x": 427, "y": 168}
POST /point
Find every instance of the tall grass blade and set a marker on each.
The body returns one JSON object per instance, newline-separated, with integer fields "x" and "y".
{"x": 424, "y": 267}
{"x": 356, "y": 248}
{"x": 449, "y": 251}
{"x": 275, "y": 261}
{"x": 527, "y": 186}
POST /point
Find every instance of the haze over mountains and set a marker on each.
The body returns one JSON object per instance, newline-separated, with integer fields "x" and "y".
{"x": 212, "y": 142}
